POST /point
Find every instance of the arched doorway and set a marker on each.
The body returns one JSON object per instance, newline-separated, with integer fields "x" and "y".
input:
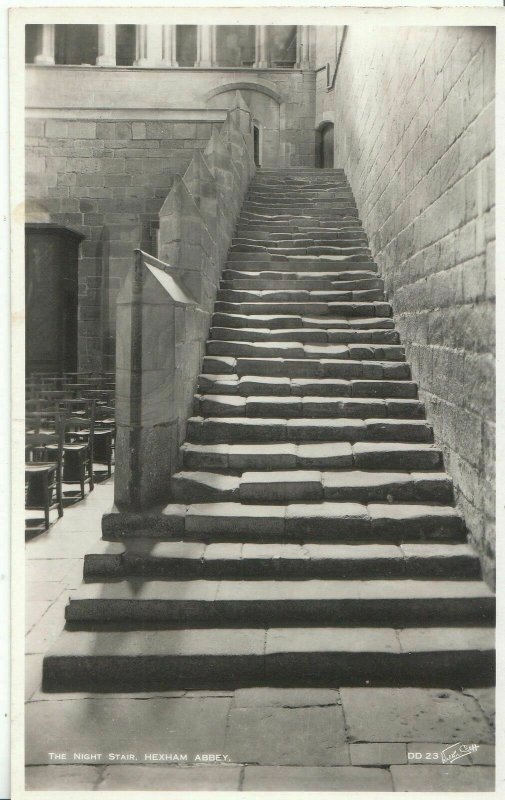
{"x": 325, "y": 145}
{"x": 265, "y": 106}
{"x": 257, "y": 144}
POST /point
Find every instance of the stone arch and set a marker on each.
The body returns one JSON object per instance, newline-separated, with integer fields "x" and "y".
{"x": 266, "y": 108}
{"x": 257, "y": 86}
{"x": 325, "y": 143}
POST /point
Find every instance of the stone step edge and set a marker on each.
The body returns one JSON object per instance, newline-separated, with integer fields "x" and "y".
{"x": 318, "y": 522}
{"x": 218, "y": 658}
{"x": 208, "y": 381}
{"x": 181, "y": 559}
{"x": 218, "y": 603}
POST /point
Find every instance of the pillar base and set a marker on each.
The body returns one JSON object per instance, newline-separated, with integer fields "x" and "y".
{"x": 203, "y": 64}
{"x": 105, "y": 61}
{"x": 44, "y": 61}
{"x": 261, "y": 65}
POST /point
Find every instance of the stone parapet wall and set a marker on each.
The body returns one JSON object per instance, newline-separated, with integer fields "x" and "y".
{"x": 165, "y": 308}
{"x": 414, "y": 132}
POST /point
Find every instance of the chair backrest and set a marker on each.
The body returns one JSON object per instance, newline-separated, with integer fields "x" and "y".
{"x": 37, "y": 442}
{"x": 45, "y": 420}
{"x": 77, "y": 377}
{"x": 105, "y": 412}
{"x": 79, "y": 423}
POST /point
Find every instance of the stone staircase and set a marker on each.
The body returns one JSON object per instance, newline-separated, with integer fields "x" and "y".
{"x": 313, "y": 537}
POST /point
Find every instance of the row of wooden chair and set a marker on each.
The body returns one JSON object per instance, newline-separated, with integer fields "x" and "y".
{"x": 67, "y": 433}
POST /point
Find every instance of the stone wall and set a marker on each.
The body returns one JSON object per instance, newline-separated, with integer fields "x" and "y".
{"x": 414, "y": 112}
{"x": 103, "y": 147}
{"x": 107, "y": 179}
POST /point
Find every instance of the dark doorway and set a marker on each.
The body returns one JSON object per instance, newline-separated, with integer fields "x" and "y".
{"x": 256, "y": 135}
{"x": 51, "y": 289}
{"x": 325, "y": 145}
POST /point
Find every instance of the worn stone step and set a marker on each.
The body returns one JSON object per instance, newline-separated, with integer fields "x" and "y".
{"x": 221, "y": 604}
{"x": 306, "y": 335}
{"x": 262, "y": 263}
{"x": 210, "y": 430}
{"x": 298, "y": 224}
{"x": 183, "y": 560}
{"x": 294, "y": 233}
{"x": 326, "y": 521}
{"x": 250, "y": 258}
{"x": 293, "y": 321}
{"x": 304, "y": 285}
{"x": 308, "y": 308}
{"x": 304, "y": 197}
{"x": 272, "y": 486}
{"x": 230, "y": 658}
{"x": 318, "y": 250}
{"x": 300, "y": 243}
{"x": 291, "y": 406}
{"x": 306, "y": 368}
{"x": 397, "y": 456}
{"x": 251, "y": 385}
{"x": 297, "y": 350}
{"x": 299, "y": 295}
{"x": 328, "y": 212}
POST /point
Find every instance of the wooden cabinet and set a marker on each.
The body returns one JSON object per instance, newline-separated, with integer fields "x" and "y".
{"x": 51, "y": 296}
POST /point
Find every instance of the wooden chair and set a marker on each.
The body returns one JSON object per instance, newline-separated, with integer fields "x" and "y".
{"x": 105, "y": 435}
{"x": 43, "y": 470}
{"x": 78, "y": 450}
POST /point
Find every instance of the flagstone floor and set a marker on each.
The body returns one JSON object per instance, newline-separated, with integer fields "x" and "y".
{"x": 331, "y": 739}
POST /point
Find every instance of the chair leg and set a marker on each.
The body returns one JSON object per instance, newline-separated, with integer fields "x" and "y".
{"x": 46, "y": 501}
{"x": 82, "y": 477}
{"x": 59, "y": 495}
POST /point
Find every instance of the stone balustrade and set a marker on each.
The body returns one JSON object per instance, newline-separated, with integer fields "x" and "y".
{"x": 164, "y": 310}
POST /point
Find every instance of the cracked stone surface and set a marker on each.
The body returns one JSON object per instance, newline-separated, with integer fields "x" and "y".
{"x": 413, "y": 715}
{"x": 288, "y": 736}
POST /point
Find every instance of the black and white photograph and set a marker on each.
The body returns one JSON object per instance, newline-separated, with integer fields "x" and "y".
{"x": 256, "y": 396}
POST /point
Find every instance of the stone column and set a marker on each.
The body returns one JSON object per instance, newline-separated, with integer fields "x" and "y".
{"x": 45, "y": 48}
{"x": 302, "y": 47}
{"x": 106, "y": 46}
{"x": 152, "y": 46}
{"x": 205, "y": 46}
{"x": 261, "y": 55}
{"x": 169, "y": 45}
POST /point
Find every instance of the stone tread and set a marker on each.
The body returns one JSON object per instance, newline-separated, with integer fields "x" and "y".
{"x": 281, "y": 486}
{"x": 317, "y": 522}
{"x": 214, "y": 603}
{"x": 257, "y": 406}
{"x": 157, "y": 659}
{"x": 273, "y": 429}
{"x": 368, "y": 455}
{"x": 293, "y": 321}
{"x": 307, "y": 367}
{"x": 284, "y": 561}
{"x": 295, "y": 350}
{"x": 248, "y": 385}
{"x": 269, "y": 591}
